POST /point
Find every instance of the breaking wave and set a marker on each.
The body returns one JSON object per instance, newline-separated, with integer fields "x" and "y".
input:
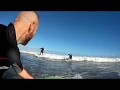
{"x": 74, "y": 58}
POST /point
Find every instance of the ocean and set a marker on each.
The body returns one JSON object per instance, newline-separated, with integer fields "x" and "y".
{"x": 51, "y": 65}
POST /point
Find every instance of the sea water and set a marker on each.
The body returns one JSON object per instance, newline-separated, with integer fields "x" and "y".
{"x": 51, "y": 65}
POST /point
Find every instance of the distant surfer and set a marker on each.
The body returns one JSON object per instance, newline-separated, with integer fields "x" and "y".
{"x": 42, "y": 50}
{"x": 70, "y": 56}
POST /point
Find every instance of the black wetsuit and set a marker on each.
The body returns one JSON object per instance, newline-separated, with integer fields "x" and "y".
{"x": 70, "y": 56}
{"x": 9, "y": 52}
{"x": 42, "y": 50}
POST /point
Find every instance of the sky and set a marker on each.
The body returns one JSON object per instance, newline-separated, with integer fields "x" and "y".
{"x": 92, "y": 33}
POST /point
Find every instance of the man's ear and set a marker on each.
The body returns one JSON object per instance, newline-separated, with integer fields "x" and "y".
{"x": 31, "y": 27}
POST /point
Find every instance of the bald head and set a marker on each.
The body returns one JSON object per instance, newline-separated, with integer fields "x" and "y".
{"x": 27, "y": 16}
{"x": 26, "y": 23}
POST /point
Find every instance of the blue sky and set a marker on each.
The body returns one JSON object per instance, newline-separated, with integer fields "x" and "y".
{"x": 93, "y": 33}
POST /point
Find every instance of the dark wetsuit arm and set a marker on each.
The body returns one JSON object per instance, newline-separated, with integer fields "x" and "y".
{"x": 14, "y": 56}
{"x": 16, "y": 68}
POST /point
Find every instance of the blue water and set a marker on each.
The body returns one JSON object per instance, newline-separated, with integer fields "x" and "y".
{"x": 41, "y": 67}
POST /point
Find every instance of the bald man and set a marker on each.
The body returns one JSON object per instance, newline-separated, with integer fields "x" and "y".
{"x": 20, "y": 31}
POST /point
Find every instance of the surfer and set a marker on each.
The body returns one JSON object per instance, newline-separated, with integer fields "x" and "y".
{"x": 70, "y": 56}
{"x": 42, "y": 50}
{"x": 20, "y": 31}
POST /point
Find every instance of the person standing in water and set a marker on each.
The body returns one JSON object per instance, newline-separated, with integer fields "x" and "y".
{"x": 42, "y": 50}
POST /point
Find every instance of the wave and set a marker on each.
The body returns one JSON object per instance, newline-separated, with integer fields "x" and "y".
{"x": 74, "y": 58}
{"x": 77, "y": 76}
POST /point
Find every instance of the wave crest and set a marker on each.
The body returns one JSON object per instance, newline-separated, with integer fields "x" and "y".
{"x": 75, "y": 58}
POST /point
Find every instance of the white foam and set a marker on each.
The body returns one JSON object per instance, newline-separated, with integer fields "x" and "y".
{"x": 119, "y": 74}
{"x": 77, "y": 76}
{"x": 75, "y": 58}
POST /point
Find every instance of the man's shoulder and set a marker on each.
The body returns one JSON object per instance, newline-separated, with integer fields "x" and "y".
{"x": 2, "y": 31}
{"x": 2, "y": 25}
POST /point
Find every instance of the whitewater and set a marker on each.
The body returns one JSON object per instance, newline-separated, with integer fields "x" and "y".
{"x": 56, "y": 66}
{"x": 74, "y": 58}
